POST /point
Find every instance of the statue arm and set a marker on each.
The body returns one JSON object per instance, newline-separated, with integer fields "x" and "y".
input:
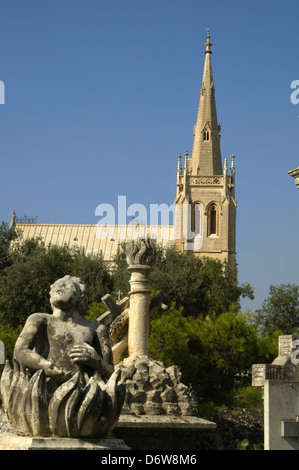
{"x": 24, "y": 348}
{"x": 106, "y": 365}
{"x": 97, "y": 355}
{"x": 25, "y": 352}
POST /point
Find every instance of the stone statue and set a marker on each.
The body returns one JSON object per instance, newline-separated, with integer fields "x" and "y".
{"x": 62, "y": 381}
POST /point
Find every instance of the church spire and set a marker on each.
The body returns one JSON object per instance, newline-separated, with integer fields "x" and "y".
{"x": 206, "y": 155}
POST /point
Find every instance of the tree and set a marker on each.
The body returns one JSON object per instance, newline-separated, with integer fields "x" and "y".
{"x": 202, "y": 286}
{"x": 25, "y": 283}
{"x": 280, "y": 311}
{"x": 7, "y": 235}
{"x": 120, "y": 274}
{"x": 210, "y": 353}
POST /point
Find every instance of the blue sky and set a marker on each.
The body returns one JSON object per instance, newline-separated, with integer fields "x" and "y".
{"x": 102, "y": 95}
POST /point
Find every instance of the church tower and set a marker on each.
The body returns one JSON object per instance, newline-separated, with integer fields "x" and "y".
{"x": 205, "y": 204}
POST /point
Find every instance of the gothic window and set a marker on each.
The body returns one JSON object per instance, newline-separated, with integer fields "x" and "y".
{"x": 206, "y": 135}
{"x": 212, "y": 220}
{"x": 195, "y": 218}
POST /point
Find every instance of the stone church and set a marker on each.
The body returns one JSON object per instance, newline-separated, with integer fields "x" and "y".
{"x": 205, "y": 203}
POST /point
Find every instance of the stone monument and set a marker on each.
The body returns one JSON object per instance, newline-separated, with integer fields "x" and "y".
{"x": 280, "y": 382}
{"x": 66, "y": 388}
{"x": 62, "y": 381}
{"x": 151, "y": 388}
{"x": 157, "y": 403}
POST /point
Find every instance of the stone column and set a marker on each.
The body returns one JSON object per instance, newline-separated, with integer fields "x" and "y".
{"x": 141, "y": 256}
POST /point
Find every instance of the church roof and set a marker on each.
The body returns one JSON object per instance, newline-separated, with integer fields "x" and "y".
{"x": 95, "y": 239}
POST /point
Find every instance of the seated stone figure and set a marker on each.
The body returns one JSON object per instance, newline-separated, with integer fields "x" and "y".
{"x": 62, "y": 342}
{"x": 62, "y": 381}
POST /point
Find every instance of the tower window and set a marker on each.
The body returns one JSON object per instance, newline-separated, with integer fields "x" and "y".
{"x": 196, "y": 218}
{"x": 212, "y": 220}
{"x": 206, "y": 135}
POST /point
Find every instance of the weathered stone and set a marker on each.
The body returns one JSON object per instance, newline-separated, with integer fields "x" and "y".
{"x": 140, "y": 396}
{"x": 140, "y": 376}
{"x": 153, "y": 396}
{"x": 171, "y": 408}
{"x": 174, "y": 373}
{"x": 163, "y": 395}
{"x": 12, "y": 442}
{"x": 169, "y": 395}
{"x": 62, "y": 380}
{"x": 184, "y": 408}
{"x": 152, "y": 408}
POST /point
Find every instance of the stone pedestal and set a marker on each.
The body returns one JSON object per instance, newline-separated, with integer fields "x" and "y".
{"x": 162, "y": 432}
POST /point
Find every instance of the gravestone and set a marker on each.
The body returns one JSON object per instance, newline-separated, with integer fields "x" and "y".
{"x": 280, "y": 381}
{"x": 2, "y": 353}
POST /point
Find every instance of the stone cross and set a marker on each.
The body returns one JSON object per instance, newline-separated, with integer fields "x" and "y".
{"x": 141, "y": 256}
{"x": 2, "y": 353}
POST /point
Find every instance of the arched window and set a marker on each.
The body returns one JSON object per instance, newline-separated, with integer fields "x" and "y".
{"x": 212, "y": 220}
{"x": 206, "y": 135}
{"x": 196, "y": 212}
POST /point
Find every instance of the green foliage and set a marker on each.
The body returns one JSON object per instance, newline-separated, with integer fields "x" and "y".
{"x": 6, "y": 237}
{"x": 210, "y": 353}
{"x": 268, "y": 346}
{"x": 121, "y": 275}
{"x": 95, "y": 310}
{"x": 9, "y": 335}
{"x": 245, "y": 445}
{"x": 201, "y": 286}
{"x": 25, "y": 283}
{"x": 248, "y": 397}
{"x": 280, "y": 311}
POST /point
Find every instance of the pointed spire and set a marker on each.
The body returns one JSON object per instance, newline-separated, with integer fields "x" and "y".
{"x": 186, "y": 160}
{"x": 206, "y": 153}
{"x": 208, "y": 44}
{"x": 233, "y": 160}
{"x": 179, "y": 169}
{"x": 225, "y": 167}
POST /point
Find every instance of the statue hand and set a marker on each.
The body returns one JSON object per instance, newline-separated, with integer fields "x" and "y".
{"x": 55, "y": 372}
{"x": 85, "y": 354}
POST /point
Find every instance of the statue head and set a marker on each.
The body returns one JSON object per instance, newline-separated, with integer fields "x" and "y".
{"x": 69, "y": 292}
